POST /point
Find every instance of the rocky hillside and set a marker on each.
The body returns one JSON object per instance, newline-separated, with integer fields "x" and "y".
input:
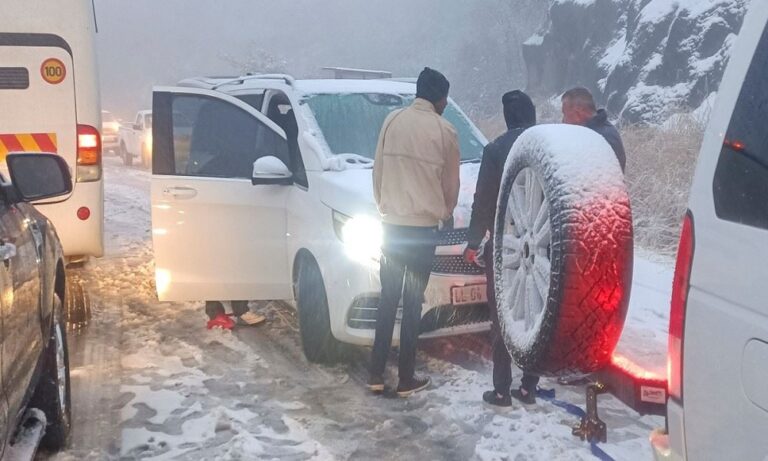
{"x": 644, "y": 59}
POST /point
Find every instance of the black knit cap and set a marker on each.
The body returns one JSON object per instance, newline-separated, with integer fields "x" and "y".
{"x": 519, "y": 111}
{"x": 432, "y": 85}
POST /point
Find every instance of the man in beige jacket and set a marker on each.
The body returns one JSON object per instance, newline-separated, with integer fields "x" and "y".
{"x": 416, "y": 185}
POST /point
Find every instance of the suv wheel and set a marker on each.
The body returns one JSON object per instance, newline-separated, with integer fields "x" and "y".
{"x": 314, "y": 319}
{"x": 77, "y": 303}
{"x": 563, "y": 252}
{"x": 52, "y": 394}
{"x": 127, "y": 157}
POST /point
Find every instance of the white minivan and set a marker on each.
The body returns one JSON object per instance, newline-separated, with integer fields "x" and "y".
{"x": 718, "y": 354}
{"x": 49, "y": 102}
{"x": 262, "y": 189}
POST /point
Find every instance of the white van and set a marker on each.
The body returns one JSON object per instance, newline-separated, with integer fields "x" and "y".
{"x": 262, "y": 189}
{"x": 718, "y": 349}
{"x": 49, "y": 102}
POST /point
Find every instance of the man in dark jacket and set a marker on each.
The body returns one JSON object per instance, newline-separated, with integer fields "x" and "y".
{"x": 519, "y": 113}
{"x": 579, "y": 109}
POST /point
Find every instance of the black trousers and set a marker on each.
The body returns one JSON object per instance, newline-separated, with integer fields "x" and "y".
{"x": 502, "y": 361}
{"x": 214, "y": 308}
{"x": 406, "y": 263}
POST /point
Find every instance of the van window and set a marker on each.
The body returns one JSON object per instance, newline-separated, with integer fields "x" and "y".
{"x": 351, "y": 122}
{"x": 255, "y": 100}
{"x": 216, "y": 139}
{"x": 741, "y": 179}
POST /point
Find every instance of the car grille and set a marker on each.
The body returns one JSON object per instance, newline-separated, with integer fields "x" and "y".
{"x": 455, "y": 264}
{"x": 363, "y": 315}
{"x": 452, "y": 237}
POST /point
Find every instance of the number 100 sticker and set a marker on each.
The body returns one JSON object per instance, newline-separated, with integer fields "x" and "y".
{"x": 53, "y": 71}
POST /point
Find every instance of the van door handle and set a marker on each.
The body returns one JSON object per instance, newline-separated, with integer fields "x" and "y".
{"x": 180, "y": 193}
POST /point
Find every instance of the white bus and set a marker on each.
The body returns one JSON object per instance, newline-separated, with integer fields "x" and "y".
{"x": 49, "y": 102}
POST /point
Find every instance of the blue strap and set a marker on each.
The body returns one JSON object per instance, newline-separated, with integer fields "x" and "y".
{"x": 549, "y": 396}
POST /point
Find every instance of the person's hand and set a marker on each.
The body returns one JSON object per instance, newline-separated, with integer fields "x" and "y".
{"x": 470, "y": 255}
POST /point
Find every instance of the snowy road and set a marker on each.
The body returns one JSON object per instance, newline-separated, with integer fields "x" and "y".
{"x": 150, "y": 382}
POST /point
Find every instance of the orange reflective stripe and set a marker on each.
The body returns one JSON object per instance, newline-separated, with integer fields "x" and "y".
{"x": 28, "y": 142}
{"x": 46, "y": 142}
{"x": 11, "y": 143}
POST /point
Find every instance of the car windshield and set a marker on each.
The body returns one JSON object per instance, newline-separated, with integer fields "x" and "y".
{"x": 148, "y": 121}
{"x": 351, "y": 122}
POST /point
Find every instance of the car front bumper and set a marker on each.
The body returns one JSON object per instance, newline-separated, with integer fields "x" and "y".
{"x": 439, "y": 316}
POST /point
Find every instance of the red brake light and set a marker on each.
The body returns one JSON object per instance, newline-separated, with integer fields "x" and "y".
{"x": 680, "y": 287}
{"x": 88, "y": 146}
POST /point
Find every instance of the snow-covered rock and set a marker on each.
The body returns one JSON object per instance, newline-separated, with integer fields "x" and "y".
{"x": 644, "y": 59}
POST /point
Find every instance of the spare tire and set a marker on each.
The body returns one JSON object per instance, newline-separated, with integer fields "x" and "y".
{"x": 563, "y": 251}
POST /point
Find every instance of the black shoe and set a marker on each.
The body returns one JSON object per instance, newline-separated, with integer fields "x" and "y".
{"x": 528, "y": 398}
{"x": 376, "y": 384}
{"x": 493, "y": 398}
{"x": 414, "y": 385}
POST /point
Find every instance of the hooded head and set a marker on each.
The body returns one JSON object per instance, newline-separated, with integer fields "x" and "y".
{"x": 519, "y": 111}
{"x": 433, "y": 86}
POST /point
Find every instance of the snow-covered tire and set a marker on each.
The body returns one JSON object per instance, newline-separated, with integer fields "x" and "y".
{"x": 563, "y": 251}
{"x": 53, "y": 392}
{"x": 77, "y": 303}
{"x": 317, "y": 340}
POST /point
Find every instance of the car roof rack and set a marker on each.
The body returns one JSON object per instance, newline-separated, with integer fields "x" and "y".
{"x": 351, "y": 73}
{"x": 289, "y": 80}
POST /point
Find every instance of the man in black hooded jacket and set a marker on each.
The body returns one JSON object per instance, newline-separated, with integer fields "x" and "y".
{"x": 519, "y": 113}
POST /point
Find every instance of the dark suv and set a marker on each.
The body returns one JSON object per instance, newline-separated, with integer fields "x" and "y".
{"x": 35, "y": 403}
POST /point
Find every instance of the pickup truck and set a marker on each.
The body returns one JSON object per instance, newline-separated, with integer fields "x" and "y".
{"x": 35, "y": 408}
{"x": 136, "y": 140}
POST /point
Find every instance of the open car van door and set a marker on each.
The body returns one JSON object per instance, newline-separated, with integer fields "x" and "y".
{"x": 217, "y": 234}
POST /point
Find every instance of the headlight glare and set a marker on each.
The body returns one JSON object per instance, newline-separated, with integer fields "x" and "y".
{"x": 362, "y": 236}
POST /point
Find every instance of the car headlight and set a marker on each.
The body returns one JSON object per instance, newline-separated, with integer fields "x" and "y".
{"x": 362, "y": 236}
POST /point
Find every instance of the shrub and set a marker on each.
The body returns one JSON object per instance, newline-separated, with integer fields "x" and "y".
{"x": 660, "y": 167}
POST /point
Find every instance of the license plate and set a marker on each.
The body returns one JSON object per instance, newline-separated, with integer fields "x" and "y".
{"x": 469, "y": 294}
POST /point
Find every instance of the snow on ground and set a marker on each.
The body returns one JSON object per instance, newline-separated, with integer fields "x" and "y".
{"x": 150, "y": 382}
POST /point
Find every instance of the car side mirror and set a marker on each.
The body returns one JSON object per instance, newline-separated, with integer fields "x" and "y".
{"x": 271, "y": 170}
{"x": 39, "y": 176}
{"x": 137, "y": 126}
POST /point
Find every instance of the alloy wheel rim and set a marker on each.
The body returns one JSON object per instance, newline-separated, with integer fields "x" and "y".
{"x": 526, "y": 264}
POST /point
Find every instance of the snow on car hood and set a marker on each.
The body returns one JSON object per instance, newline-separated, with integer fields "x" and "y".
{"x": 351, "y": 192}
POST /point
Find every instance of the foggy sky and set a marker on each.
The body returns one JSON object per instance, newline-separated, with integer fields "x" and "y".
{"x": 142, "y": 43}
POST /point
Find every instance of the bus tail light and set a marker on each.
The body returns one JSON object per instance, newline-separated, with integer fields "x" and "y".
{"x": 88, "y": 154}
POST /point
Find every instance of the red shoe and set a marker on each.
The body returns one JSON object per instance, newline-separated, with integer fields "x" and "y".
{"x": 221, "y": 321}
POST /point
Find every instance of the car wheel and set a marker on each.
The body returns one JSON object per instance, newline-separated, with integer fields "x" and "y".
{"x": 562, "y": 251}
{"x": 127, "y": 157}
{"x": 52, "y": 394}
{"x": 77, "y": 303}
{"x": 314, "y": 320}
